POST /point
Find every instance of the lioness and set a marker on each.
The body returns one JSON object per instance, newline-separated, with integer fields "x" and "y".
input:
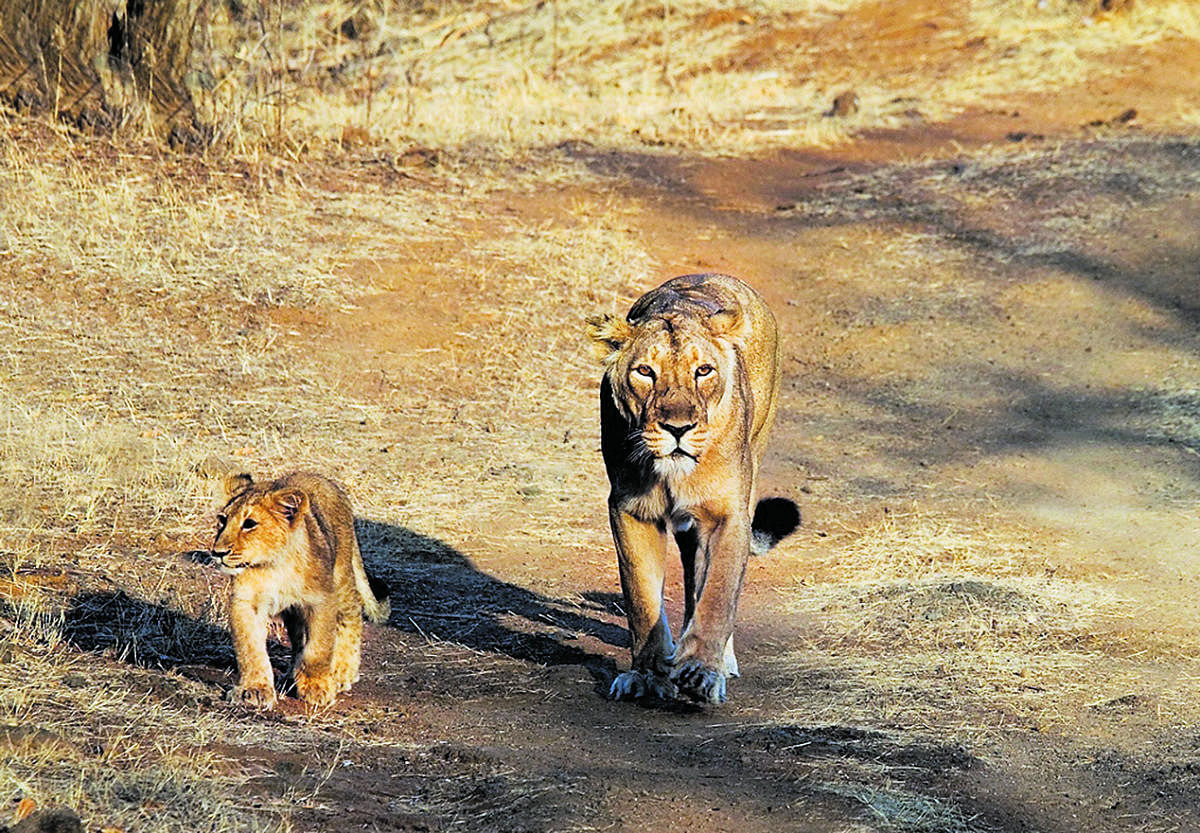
{"x": 687, "y": 399}
{"x": 291, "y": 549}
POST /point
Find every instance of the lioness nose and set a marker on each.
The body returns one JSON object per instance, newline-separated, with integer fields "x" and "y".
{"x": 677, "y": 431}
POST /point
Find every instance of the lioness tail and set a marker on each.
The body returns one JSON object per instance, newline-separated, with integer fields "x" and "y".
{"x": 775, "y": 518}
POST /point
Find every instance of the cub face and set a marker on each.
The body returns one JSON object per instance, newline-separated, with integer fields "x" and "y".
{"x": 254, "y": 527}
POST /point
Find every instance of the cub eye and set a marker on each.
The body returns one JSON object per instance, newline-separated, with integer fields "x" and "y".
{"x": 249, "y": 523}
{"x": 644, "y": 370}
{"x": 704, "y": 370}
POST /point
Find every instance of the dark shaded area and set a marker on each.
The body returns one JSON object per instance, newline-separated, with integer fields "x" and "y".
{"x": 437, "y": 593}
{"x": 148, "y": 635}
{"x": 854, "y": 743}
{"x": 1085, "y": 209}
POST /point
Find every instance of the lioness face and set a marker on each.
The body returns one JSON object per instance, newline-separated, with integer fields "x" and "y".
{"x": 670, "y": 381}
{"x": 253, "y": 530}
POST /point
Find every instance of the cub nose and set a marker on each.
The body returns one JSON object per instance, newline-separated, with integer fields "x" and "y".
{"x": 676, "y": 431}
{"x": 219, "y": 555}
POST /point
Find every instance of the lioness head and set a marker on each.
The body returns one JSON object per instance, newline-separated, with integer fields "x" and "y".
{"x": 255, "y": 525}
{"x": 672, "y": 375}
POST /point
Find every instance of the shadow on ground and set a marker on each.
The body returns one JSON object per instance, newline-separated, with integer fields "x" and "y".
{"x": 438, "y": 593}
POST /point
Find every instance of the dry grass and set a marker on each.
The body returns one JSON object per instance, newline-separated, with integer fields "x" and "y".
{"x": 938, "y": 620}
{"x": 711, "y": 77}
{"x": 142, "y": 341}
{"x": 160, "y": 310}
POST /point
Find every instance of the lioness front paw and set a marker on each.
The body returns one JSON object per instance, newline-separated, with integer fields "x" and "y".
{"x": 257, "y": 696}
{"x": 315, "y": 689}
{"x": 636, "y": 685}
{"x": 699, "y": 682}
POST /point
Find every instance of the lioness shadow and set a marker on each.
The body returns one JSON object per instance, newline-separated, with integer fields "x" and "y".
{"x": 438, "y": 593}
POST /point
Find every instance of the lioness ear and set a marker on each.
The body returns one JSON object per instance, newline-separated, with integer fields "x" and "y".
{"x": 609, "y": 332}
{"x": 289, "y": 504}
{"x": 235, "y": 484}
{"x": 727, "y": 323}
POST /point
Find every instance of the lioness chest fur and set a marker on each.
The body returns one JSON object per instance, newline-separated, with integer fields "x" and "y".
{"x": 691, "y": 379}
{"x": 291, "y": 548}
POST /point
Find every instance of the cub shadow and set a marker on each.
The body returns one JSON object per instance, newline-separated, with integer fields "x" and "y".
{"x": 156, "y": 637}
{"x": 437, "y": 593}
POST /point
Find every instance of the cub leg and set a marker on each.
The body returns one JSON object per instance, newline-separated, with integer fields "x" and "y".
{"x": 641, "y": 559}
{"x": 347, "y": 645}
{"x": 256, "y": 680}
{"x": 314, "y": 683}
{"x": 700, "y": 660}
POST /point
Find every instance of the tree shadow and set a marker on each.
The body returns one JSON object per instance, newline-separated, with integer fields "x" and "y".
{"x": 1119, "y": 214}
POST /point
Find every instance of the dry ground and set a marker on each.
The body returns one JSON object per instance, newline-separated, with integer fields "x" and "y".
{"x": 987, "y": 278}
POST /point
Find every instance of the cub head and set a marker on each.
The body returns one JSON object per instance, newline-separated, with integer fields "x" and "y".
{"x": 673, "y": 377}
{"x": 255, "y": 525}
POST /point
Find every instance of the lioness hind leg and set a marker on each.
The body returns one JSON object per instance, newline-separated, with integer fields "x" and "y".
{"x": 731, "y": 663}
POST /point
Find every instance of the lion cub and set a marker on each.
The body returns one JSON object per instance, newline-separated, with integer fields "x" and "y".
{"x": 291, "y": 549}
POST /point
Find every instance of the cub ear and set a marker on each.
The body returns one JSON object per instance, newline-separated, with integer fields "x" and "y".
{"x": 608, "y": 332}
{"x": 235, "y": 484}
{"x": 289, "y": 504}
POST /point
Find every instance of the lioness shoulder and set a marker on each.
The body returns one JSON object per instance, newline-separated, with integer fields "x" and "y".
{"x": 687, "y": 399}
{"x": 291, "y": 548}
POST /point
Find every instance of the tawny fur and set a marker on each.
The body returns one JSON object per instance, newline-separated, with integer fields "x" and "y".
{"x": 292, "y": 551}
{"x": 687, "y": 400}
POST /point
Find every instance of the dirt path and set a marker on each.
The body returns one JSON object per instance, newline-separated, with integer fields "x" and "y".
{"x": 991, "y": 421}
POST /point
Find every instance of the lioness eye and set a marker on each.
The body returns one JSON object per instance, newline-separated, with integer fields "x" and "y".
{"x": 249, "y": 523}
{"x": 644, "y": 370}
{"x": 703, "y": 370}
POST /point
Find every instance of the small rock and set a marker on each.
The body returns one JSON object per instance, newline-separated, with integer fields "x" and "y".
{"x": 56, "y": 820}
{"x": 846, "y": 104}
{"x": 75, "y": 680}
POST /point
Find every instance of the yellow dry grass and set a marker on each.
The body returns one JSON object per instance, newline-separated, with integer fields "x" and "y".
{"x": 513, "y": 76}
{"x": 138, "y": 301}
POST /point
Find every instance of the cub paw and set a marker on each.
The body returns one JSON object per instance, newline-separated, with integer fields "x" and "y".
{"x": 699, "y": 682}
{"x": 315, "y": 690}
{"x": 637, "y": 685}
{"x": 259, "y": 696}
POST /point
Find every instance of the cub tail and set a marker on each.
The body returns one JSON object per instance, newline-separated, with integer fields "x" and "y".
{"x": 373, "y": 591}
{"x": 775, "y": 518}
